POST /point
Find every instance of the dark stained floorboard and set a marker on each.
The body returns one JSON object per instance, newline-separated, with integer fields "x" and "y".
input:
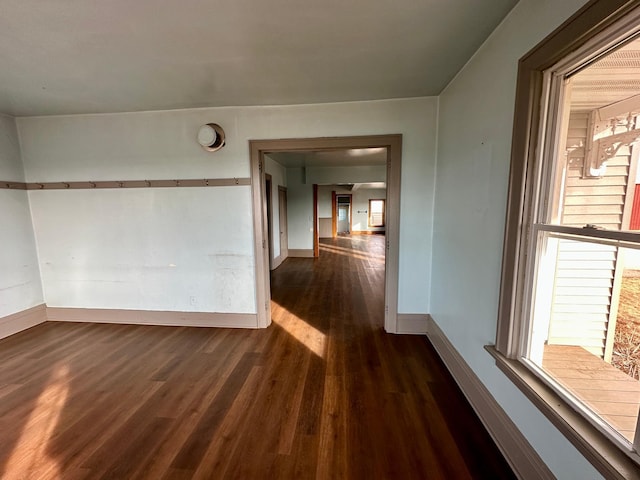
{"x": 323, "y": 393}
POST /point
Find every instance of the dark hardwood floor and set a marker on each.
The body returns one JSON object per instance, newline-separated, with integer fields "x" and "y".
{"x": 322, "y": 393}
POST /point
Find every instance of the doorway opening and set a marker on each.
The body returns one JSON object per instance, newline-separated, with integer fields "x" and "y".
{"x": 342, "y": 214}
{"x": 306, "y": 182}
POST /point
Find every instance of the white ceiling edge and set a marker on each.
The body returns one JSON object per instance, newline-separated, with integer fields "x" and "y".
{"x": 222, "y": 107}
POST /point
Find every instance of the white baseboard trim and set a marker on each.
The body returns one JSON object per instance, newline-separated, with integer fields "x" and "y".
{"x": 301, "y": 253}
{"x": 523, "y": 459}
{"x": 151, "y": 317}
{"x": 412, "y": 323}
{"x": 16, "y": 322}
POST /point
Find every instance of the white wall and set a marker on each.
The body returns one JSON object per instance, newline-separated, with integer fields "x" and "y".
{"x": 10, "y": 161}
{"x": 20, "y": 286}
{"x": 161, "y": 145}
{"x": 299, "y": 210}
{"x": 361, "y": 199}
{"x": 182, "y": 249}
{"x": 324, "y": 199}
{"x": 474, "y": 141}
{"x": 278, "y": 178}
{"x": 352, "y": 174}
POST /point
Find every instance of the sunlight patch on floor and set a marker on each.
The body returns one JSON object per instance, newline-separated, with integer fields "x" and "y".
{"x": 39, "y": 429}
{"x": 351, "y": 250}
{"x": 353, "y": 253}
{"x": 309, "y": 336}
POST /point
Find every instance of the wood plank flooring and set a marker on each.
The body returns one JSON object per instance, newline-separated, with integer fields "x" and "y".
{"x": 322, "y": 393}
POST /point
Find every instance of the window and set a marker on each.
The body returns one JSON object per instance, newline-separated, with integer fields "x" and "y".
{"x": 376, "y": 213}
{"x": 569, "y": 319}
{"x": 582, "y": 324}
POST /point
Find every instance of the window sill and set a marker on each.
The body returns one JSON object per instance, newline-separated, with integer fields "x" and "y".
{"x": 597, "y": 448}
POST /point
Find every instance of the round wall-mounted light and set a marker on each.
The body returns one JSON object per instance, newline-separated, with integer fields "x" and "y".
{"x": 211, "y": 137}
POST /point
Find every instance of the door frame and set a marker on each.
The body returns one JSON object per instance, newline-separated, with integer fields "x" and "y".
{"x": 316, "y": 233}
{"x": 269, "y": 200}
{"x": 334, "y": 219}
{"x": 257, "y": 149}
{"x": 282, "y": 218}
{"x": 334, "y": 213}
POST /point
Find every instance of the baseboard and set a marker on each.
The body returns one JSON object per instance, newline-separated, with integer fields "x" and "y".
{"x": 301, "y": 253}
{"x": 368, "y": 232}
{"x": 523, "y": 459}
{"x": 151, "y": 317}
{"x": 16, "y": 322}
{"x": 412, "y": 323}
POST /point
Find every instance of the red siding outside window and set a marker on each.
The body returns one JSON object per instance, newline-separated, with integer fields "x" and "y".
{"x": 634, "y": 224}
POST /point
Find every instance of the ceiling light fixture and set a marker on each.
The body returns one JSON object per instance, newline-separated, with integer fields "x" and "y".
{"x": 211, "y": 137}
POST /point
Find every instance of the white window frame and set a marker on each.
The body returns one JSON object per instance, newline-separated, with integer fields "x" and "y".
{"x": 588, "y": 34}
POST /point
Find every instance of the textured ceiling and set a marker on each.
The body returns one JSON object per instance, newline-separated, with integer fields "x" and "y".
{"x": 71, "y": 56}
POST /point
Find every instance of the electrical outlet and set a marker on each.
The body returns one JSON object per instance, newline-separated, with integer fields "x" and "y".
{"x": 193, "y": 300}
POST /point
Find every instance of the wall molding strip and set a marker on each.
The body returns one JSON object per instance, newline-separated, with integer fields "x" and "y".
{"x": 152, "y": 317}
{"x": 523, "y": 459}
{"x": 23, "y": 320}
{"x": 89, "y": 185}
{"x": 13, "y": 185}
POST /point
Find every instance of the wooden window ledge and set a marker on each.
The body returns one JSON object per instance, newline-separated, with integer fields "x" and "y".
{"x": 606, "y": 456}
